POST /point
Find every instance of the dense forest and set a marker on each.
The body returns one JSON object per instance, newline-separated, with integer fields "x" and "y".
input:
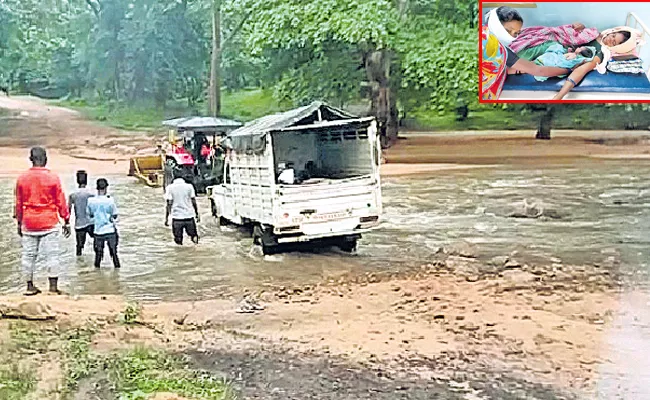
{"x": 398, "y": 58}
{"x": 411, "y": 53}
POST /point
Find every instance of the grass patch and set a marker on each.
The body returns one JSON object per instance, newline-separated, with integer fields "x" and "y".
{"x": 244, "y": 105}
{"x": 247, "y": 105}
{"x": 17, "y": 368}
{"x": 16, "y": 382}
{"x": 122, "y": 116}
{"x": 25, "y": 338}
{"x": 515, "y": 117}
{"x": 77, "y": 359}
{"x": 135, "y": 374}
{"x": 138, "y": 373}
{"x": 496, "y": 119}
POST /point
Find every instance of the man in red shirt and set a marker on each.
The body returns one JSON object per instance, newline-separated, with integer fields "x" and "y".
{"x": 39, "y": 204}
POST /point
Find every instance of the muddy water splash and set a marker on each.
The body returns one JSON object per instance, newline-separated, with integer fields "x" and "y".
{"x": 592, "y": 212}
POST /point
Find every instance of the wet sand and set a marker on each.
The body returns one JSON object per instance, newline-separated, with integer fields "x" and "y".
{"x": 502, "y": 333}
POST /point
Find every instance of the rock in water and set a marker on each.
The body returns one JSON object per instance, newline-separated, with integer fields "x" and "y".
{"x": 462, "y": 249}
{"x": 533, "y": 209}
{"x": 526, "y": 210}
{"x": 29, "y": 310}
{"x": 499, "y": 261}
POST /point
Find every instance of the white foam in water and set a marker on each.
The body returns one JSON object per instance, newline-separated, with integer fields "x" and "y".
{"x": 626, "y": 372}
{"x": 485, "y": 227}
{"x": 255, "y": 252}
{"x": 274, "y": 258}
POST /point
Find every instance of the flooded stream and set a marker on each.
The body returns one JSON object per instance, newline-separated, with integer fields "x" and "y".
{"x": 599, "y": 212}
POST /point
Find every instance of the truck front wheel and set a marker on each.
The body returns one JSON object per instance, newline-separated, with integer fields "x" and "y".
{"x": 213, "y": 208}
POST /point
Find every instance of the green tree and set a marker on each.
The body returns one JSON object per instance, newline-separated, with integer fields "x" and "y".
{"x": 420, "y": 48}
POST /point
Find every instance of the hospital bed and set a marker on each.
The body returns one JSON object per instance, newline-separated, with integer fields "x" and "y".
{"x": 594, "y": 86}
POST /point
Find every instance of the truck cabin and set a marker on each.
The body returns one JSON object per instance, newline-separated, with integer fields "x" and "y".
{"x": 316, "y": 154}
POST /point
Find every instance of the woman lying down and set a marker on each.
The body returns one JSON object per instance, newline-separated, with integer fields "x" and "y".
{"x": 585, "y": 49}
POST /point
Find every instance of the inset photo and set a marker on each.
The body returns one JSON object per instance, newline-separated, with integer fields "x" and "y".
{"x": 564, "y": 52}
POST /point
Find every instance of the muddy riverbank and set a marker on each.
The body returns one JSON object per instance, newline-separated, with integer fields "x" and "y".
{"x": 511, "y": 331}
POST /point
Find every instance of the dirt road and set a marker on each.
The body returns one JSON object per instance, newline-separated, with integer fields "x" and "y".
{"x": 71, "y": 140}
{"x": 29, "y": 121}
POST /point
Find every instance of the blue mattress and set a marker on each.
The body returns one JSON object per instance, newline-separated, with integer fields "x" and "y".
{"x": 593, "y": 82}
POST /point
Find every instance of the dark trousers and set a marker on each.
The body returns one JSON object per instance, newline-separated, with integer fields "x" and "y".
{"x": 80, "y": 234}
{"x": 188, "y": 225}
{"x": 111, "y": 239}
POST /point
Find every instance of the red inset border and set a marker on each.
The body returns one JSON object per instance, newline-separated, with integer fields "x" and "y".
{"x": 540, "y": 101}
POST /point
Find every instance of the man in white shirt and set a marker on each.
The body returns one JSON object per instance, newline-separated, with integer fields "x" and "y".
{"x": 181, "y": 205}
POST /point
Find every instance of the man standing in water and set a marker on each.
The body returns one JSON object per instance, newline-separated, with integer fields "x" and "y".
{"x": 39, "y": 204}
{"x": 181, "y": 205}
{"x": 83, "y": 225}
{"x": 103, "y": 211}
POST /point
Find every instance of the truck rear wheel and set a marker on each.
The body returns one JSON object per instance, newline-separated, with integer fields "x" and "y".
{"x": 348, "y": 245}
{"x": 263, "y": 236}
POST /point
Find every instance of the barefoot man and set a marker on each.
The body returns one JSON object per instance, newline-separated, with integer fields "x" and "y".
{"x": 39, "y": 204}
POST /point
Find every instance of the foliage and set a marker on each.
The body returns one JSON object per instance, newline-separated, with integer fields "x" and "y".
{"x": 77, "y": 359}
{"x": 115, "y": 49}
{"x": 319, "y": 48}
{"x": 153, "y": 52}
{"x": 131, "y": 314}
{"x": 15, "y": 381}
{"x": 27, "y": 339}
{"x": 140, "y": 372}
{"x": 332, "y": 73}
{"x": 242, "y": 105}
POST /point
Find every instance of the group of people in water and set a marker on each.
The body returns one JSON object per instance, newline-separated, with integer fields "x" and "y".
{"x": 40, "y": 206}
{"x": 573, "y": 50}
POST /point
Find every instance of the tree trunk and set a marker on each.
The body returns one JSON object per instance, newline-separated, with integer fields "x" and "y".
{"x": 215, "y": 61}
{"x": 545, "y": 124}
{"x": 383, "y": 95}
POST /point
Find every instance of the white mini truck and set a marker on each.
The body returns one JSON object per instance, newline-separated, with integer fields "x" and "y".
{"x": 309, "y": 174}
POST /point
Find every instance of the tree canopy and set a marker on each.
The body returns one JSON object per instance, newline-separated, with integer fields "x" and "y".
{"x": 156, "y": 50}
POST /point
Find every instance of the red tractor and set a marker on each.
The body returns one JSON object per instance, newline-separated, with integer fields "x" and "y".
{"x": 193, "y": 152}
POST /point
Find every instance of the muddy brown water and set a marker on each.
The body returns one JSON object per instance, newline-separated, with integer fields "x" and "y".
{"x": 604, "y": 216}
{"x": 604, "y": 210}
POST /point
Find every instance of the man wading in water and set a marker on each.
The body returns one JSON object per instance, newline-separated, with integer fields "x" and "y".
{"x": 103, "y": 211}
{"x": 83, "y": 225}
{"x": 39, "y": 204}
{"x": 181, "y": 205}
